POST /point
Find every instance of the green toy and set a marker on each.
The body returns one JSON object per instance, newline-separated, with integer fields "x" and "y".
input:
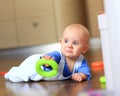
{"x": 51, "y": 63}
{"x": 102, "y": 79}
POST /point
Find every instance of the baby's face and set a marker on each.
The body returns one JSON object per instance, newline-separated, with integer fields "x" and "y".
{"x": 73, "y": 43}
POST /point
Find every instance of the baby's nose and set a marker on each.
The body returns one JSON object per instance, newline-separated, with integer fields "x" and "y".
{"x": 70, "y": 44}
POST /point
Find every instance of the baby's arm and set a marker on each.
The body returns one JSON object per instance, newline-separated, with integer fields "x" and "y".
{"x": 82, "y": 72}
{"x": 55, "y": 55}
{"x": 79, "y": 77}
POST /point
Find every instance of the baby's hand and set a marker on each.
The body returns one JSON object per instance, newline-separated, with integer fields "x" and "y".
{"x": 79, "y": 77}
{"x": 47, "y": 57}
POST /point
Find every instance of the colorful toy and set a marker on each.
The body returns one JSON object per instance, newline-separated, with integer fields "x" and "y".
{"x": 3, "y": 73}
{"x": 102, "y": 79}
{"x": 44, "y": 73}
{"x": 98, "y": 64}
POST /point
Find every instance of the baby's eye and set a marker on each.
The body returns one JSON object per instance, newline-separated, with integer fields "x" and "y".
{"x": 66, "y": 41}
{"x": 76, "y": 43}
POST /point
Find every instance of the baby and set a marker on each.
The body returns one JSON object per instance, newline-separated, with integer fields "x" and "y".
{"x": 72, "y": 64}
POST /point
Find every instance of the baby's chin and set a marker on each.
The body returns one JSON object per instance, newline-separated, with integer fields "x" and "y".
{"x": 69, "y": 56}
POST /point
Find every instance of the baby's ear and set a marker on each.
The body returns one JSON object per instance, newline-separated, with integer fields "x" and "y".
{"x": 60, "y": 40}
{"x": 86, "y": 47}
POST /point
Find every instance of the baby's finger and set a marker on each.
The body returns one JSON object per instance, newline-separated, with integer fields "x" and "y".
{"x": 47, "y": 57}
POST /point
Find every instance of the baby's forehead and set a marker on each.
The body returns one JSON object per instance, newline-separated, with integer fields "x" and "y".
{"x": 72, "y": 37}
{"x": 79, "y": 30}
{"x": 72, "y": 40}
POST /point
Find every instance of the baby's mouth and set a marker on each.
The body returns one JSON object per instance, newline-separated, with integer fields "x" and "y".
{"x": 69, "y": 51}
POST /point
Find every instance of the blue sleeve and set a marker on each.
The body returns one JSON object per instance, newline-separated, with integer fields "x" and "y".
{"x": 55, "y": 55}
{"x": 84, "y": 68}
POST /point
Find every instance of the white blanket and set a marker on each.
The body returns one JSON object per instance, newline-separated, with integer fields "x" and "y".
{"x": 25, "y": 71}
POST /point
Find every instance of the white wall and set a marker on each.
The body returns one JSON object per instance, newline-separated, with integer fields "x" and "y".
{"x": 112, "y": 61}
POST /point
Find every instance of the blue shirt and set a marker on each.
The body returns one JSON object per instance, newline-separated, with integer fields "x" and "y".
{"x": 81, "y": 67}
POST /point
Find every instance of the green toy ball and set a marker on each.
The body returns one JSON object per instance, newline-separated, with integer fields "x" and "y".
{"x": 44, "y": 73}
{"x": 102, "y": 79}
